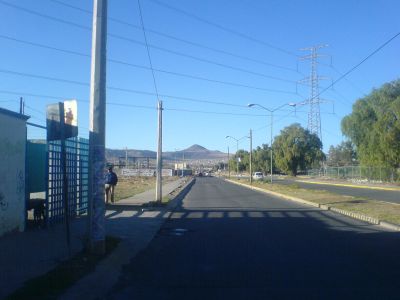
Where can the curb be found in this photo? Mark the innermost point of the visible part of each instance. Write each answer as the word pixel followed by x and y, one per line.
pixel 173 203
pixel 113 264
pixel 350 214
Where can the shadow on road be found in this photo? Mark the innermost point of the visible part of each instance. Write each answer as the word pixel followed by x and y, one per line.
pixel 256 252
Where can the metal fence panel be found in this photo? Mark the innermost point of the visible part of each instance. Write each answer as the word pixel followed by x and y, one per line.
pixel 77 160
pixel 358 173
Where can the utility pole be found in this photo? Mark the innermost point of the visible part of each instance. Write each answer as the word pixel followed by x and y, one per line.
pixel 183 162
pixel 314 115
pixel 229 167
pixel 237 158
pixel 96 205
pixel 237 151
pixel 126 157
pixel 272 132
pixel 159 155
pixel 251 156
pixel 21 106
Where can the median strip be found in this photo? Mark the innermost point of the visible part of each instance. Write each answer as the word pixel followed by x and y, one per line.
pixel 372 211
pixel 352 185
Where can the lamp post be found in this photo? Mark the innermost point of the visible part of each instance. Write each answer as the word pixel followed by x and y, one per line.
pixel 272 121
pixel 237 150
pixel 251 156
pixel 229 167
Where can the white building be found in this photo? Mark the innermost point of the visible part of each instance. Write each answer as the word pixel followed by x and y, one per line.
pixel 12 170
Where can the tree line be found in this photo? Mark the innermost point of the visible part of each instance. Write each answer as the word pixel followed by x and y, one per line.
pixel 372 130
pixel 295 149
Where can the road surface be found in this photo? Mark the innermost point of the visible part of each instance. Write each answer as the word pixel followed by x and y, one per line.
pixel 229 242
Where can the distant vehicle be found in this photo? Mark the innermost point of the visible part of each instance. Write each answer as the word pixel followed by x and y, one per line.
pixel 258 176
pixel 200 174
pixel 206 174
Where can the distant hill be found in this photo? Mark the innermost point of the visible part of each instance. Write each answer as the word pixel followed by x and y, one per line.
pixel 197 152
pixel 194 152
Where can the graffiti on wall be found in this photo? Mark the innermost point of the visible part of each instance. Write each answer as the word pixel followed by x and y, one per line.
pixel 20 184
pixel 3 202
pixel 8 148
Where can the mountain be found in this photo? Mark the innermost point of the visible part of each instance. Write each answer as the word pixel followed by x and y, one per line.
pixel 197 152
pixel 194 152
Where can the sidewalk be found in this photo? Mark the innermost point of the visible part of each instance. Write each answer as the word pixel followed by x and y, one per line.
pixel 33 253
pixel 136 226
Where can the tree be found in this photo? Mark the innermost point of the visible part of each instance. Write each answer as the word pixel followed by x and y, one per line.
pixel 262 159
pixel 343 154
pixel 296 148
pixel 244 161
pixel 374 126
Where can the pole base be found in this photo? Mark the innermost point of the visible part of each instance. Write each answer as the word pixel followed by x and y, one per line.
pixel 97 247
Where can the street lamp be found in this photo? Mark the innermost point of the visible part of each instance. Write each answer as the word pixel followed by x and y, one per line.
pixel 237 150
pixel 272 118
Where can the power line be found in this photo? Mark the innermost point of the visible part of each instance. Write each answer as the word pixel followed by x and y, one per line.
pixel 44 77
pixel 238 69
pixel 213 112
pixel 351 83
pixel 124 104
pixel 223 28
pixel 324 130
pixel 196 100
pixel 6 37
pixel 360 63
pixel 149 45
pixel 192 43
pixel 44 15
pixel 148 51
pixel 113 103
pixel 345 100
pixel 113 88
pixel 142 67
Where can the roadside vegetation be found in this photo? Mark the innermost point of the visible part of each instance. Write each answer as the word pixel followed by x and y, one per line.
pixel 372 130
pixel 295 149
pixel 130 186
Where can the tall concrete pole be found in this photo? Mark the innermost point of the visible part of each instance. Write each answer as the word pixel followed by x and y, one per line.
pixel 272 122
pixel 97 129
pixel 159 155
pixel 183 162
pixel 229 167
pixel 126 157
pixel 251 157
pixel 237 158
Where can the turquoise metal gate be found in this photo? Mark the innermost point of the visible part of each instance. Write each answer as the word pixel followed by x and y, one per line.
pixel 77 167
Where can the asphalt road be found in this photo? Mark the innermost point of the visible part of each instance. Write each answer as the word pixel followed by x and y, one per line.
pixel 375 194
pixel 229 242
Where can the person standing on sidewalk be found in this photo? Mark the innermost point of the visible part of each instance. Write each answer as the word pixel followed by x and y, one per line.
pixel 111 180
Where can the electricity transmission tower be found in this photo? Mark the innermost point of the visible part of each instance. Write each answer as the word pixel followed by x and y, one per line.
pixel 314 115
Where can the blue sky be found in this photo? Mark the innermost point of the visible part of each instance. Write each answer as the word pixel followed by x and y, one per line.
pixel 206 42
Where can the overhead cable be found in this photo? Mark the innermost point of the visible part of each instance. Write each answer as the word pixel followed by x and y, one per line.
pixel 192 43
pixel 223 28
pixel 144 67
pixel 116 36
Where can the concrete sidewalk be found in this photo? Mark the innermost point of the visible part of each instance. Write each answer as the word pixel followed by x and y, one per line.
pixel 136 227
pixel 33 253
